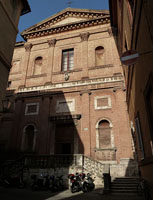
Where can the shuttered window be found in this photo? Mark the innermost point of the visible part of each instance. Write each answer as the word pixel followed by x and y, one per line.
pixel 67 59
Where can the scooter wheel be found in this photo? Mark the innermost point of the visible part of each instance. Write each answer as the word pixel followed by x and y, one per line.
pixel 74 189
pixel 85 188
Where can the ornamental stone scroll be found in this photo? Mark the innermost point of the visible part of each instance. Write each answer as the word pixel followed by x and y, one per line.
pixel 28 46
pixel 84 36
pixel 51 43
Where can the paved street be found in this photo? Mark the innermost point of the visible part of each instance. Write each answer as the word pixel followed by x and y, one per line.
pixel 27 194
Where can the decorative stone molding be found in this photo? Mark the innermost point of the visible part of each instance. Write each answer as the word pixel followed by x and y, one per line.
pixel 28 46
pixel 107 105
pixel 67 27
pixel 51 43
pixel 93 82
pixel 34 111
pixel 65 117
pixel 84 36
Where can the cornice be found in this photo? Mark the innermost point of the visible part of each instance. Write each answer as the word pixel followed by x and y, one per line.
pixel 51 87
pixel 66 27
pixel 48 26
pixel 68 12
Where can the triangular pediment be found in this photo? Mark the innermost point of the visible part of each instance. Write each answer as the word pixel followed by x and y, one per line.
pixel 69 20
pixel 66 17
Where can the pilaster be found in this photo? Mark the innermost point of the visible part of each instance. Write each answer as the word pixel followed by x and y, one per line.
pixel 28 47
pixel 85 127
pixel 49 70
pixel 84 39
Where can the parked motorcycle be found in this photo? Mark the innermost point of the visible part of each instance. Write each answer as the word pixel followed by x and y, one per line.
pixel 77 182
pixel 74 183
pixel 88 184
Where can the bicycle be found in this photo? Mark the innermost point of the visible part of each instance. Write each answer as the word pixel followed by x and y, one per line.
pixel 143 189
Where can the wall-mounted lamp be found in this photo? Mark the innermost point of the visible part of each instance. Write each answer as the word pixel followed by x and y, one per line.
pixel 6 105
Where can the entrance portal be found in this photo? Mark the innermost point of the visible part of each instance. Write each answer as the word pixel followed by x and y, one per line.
pixel 64 138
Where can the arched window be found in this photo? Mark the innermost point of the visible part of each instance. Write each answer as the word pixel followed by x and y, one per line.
pixel 99 51
pixel 38 65
pixel 104 132
pixel 29 137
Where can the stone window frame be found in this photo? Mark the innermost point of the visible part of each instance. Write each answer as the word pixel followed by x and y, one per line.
pixel 61 49
pixel 103 107
pixel 23 136
pixel 68 64
pixel 32 113
pixel 65 101
pixel 97 134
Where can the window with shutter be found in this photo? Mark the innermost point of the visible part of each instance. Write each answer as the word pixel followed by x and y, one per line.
pixel 67 59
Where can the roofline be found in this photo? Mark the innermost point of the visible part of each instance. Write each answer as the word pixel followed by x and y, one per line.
pixel 20 43
pixel 26 8
pixel 66 9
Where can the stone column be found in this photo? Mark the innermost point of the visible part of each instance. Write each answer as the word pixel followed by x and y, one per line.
pixel 49 69
pixel 28 47
pixel 84 40
pixel 85 127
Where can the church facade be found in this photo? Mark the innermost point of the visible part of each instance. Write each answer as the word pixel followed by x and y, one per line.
pixel 67 92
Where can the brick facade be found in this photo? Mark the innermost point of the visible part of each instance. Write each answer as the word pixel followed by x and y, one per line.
pixel 69 105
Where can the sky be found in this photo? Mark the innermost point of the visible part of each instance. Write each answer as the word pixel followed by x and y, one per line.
pixel 42 9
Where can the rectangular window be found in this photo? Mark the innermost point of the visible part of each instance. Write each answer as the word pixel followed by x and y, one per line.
pixel 67 59
pixel 32 109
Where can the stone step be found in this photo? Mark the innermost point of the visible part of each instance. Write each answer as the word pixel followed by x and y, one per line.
pixel 123 191
pixel 120 184
pixel 128 194
pixel 123 186
pixel 126 179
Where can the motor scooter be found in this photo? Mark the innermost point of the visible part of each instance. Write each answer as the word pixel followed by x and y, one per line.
pixel 88 184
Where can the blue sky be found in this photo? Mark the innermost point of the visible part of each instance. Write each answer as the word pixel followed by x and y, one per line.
pixel 42 9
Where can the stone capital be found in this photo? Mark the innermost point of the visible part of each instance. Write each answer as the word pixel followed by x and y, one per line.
pixel 51 43
pixel 28 46
pixel 85 92
pixel 84 36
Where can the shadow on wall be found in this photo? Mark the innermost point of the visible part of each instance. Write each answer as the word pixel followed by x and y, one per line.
pixel 132 168
pixel 42 133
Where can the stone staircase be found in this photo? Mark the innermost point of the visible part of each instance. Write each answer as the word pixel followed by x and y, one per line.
pixel 95 168
pixel 124 186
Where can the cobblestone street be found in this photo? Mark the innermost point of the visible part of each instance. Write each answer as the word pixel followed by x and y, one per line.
pixel 27 194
